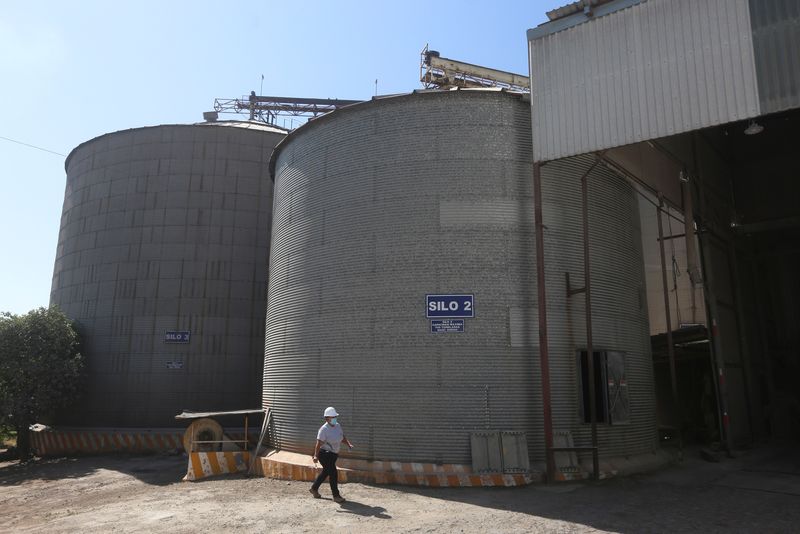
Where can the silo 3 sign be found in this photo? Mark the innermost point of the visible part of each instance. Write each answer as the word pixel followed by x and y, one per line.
pixel 447 312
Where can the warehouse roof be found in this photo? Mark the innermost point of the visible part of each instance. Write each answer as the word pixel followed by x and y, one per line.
pixel 577 13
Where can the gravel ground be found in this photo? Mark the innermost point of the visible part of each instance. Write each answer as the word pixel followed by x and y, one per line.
pixel 757 492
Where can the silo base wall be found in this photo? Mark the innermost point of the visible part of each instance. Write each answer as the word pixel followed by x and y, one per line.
pixel 284 465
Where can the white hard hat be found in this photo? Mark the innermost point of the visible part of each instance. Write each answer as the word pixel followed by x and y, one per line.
pixel 330 411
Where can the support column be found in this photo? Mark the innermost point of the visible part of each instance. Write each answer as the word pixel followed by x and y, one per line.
pixel 668 314
pixel 544 360
pixel 587 289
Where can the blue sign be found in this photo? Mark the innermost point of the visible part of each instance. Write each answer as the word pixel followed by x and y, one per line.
pixel 181 336
pixel 449 306
pixel 446 326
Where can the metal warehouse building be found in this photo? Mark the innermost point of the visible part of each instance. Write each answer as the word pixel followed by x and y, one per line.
pixel 162 262
pixel 658 217
pixel 696 104
pixel 514 281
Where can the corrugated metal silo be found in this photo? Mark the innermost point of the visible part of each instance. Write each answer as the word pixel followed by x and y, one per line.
pixel 161 260
pixel 382 203
pixel 619 304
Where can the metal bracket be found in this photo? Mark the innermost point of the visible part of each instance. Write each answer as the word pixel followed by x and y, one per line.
pixel 264 431
pixel 570 290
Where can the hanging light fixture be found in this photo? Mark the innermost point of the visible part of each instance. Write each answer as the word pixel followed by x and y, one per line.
pixel 753 128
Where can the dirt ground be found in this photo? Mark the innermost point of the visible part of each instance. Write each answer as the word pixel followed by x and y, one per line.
pixel 757 492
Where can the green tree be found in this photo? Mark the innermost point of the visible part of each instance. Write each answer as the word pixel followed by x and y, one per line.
pixel 40 369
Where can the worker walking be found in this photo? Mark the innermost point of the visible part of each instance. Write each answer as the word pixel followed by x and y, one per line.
pixel 329 439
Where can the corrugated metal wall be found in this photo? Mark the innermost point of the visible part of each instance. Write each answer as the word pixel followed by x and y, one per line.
pixel 167 229
pixel 385 202
pixel 651 70
pixel 619 306
pixel 375 207
pixel 776 42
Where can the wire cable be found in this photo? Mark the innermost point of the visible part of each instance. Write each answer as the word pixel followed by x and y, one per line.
pixel 34 146
pixel 676 272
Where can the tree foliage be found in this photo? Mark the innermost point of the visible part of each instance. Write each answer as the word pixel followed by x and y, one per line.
pixel 40 368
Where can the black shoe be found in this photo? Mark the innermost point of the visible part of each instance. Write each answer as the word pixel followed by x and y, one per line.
pixel 315 493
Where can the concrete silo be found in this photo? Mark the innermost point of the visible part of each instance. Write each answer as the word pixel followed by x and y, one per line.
pixel 162 261
pixel 380 205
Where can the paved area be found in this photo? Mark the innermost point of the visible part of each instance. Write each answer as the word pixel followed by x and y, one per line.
pixel 758 491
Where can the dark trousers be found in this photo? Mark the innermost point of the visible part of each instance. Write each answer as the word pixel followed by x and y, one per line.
pixel 328 461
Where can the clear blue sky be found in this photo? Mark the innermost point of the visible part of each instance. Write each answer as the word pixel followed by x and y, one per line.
pixel 71 71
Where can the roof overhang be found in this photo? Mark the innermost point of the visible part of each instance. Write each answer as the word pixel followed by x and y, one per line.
pixel 628 71
pixel 577 13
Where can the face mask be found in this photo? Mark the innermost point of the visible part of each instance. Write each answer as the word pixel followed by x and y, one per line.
pixel 333 421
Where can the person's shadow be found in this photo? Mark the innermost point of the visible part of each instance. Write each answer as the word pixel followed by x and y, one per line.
pixel 352 507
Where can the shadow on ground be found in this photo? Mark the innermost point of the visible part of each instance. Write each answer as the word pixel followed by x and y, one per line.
pixel 157 470
pixel 758 491
pixel 357 508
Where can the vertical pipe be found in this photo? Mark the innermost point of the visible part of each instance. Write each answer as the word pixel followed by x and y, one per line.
pixel 712 311
pixel 718 361
pixel 692 265
pixel 544 360
pixel 745 343
pixel 758 277
pixel 668 314
pixel 587 292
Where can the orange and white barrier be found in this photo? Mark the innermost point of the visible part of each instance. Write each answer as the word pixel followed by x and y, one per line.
pixel 206 464
pixel 286 465
pixel 60 442
pixel 52 442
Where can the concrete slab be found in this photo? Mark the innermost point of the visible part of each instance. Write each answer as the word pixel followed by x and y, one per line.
pixel 769 481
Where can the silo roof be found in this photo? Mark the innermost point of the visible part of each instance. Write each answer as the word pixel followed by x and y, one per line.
pixel 246 125
pixel 377 98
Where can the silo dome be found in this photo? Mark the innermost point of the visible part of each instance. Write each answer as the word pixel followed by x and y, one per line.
pixel 161 261
pixel 386 213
